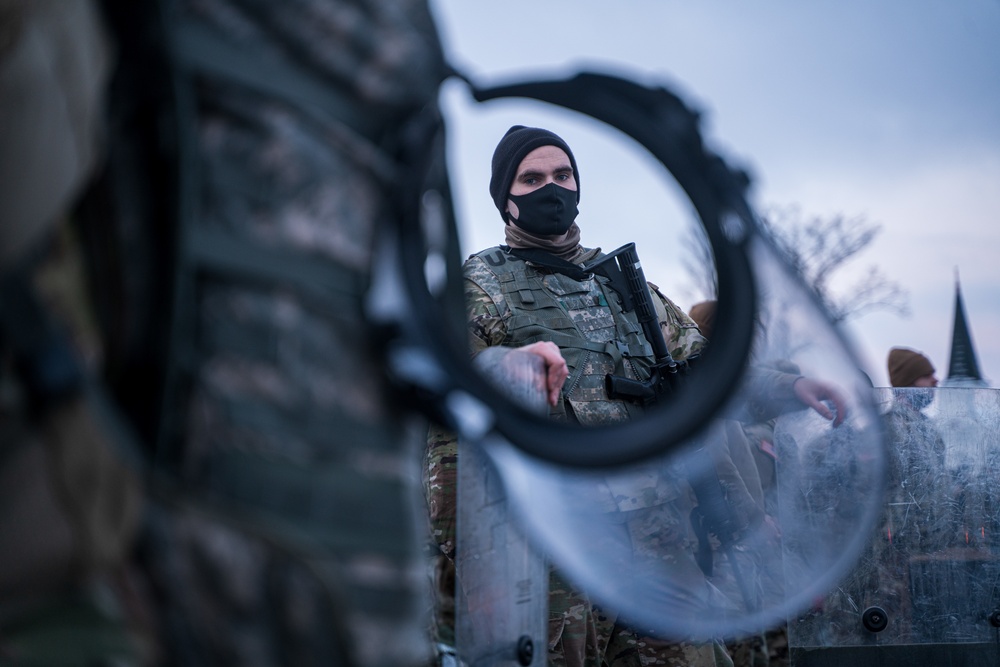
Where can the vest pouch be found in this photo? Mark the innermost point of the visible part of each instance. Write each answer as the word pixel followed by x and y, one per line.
pixel 562 285
pixel 585 303
pixel 599 412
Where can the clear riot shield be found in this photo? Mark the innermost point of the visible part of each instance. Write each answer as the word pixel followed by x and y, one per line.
pixel 501 606
pixel 926 590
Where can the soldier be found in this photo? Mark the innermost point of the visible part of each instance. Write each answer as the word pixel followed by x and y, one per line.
pixel 529 290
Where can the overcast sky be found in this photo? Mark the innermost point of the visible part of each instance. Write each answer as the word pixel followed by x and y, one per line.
pixel 888 110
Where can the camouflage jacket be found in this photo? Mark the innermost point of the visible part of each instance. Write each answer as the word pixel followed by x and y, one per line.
pixel 512 302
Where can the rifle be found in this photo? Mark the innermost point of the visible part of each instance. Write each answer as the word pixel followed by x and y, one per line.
pixel 624 271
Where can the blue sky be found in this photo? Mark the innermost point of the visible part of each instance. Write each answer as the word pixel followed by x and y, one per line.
pixel 888 110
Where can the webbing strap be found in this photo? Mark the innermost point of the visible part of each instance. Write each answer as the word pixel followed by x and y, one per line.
pixel 316 277
pixel 200 49
pixel 615 349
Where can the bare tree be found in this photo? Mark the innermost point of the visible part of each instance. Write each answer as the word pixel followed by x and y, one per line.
pixel 818 249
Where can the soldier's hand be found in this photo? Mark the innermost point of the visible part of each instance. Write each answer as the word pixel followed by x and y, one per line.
pixel 813 393
pixel 555 367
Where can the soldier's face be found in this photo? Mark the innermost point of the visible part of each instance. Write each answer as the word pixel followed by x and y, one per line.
pixel 544 165
pixel 926 381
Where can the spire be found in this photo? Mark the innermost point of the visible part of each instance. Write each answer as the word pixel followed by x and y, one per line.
pixel 963 369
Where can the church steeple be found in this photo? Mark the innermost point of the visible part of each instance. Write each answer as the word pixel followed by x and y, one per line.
pixel 963 369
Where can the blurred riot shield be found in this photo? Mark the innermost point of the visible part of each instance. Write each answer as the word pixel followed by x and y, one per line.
pixel 926 589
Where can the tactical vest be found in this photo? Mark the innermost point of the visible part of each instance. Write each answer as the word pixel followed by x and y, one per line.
pixel 584 318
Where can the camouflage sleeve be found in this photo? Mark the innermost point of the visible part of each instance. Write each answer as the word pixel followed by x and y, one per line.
pixel 769 393
pixel 440 478
pixel 486 327
pixel 683 338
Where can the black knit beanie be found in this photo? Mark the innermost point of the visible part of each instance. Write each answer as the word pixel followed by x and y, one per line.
pixel 518 142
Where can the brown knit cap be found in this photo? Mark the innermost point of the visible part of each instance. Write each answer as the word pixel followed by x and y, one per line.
pixel 906 365
pixel 703 315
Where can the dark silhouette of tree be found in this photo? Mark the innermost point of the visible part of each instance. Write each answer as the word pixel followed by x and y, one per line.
pixel 818 249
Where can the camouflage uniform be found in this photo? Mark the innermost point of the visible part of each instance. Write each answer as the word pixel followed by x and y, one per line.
pixel 513 303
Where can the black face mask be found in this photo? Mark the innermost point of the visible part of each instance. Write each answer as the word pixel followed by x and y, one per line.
pixel 547 211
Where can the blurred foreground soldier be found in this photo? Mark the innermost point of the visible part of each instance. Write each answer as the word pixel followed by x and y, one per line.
pixel 531 290
pixel 69 506
pixel 254 151
pixel 283 531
